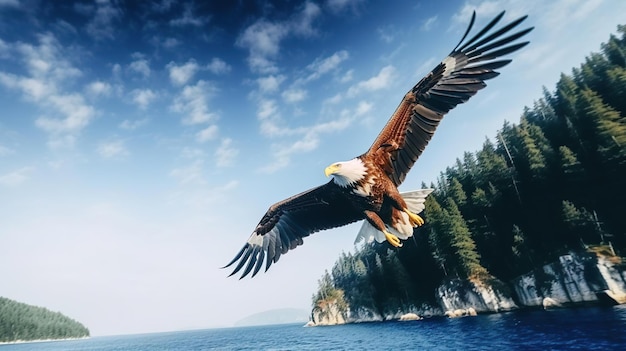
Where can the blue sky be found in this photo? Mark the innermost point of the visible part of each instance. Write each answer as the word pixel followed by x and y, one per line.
pixel 141 142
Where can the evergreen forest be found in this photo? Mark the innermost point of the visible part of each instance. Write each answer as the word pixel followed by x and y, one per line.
pixel 551 184
pixel 22 322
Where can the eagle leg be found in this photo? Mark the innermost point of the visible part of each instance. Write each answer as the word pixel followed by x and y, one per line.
pixel 378 223
pixel 399 203
pixel 414 219
pixel 392 239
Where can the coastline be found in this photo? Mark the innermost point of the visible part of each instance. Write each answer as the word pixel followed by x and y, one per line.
pixel 40 340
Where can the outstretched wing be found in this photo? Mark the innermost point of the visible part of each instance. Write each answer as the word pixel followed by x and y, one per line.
pixel 285 224
pixel 457 78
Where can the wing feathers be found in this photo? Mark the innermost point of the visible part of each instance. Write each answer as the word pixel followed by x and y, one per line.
pixel 469 28
pixel 497 34
pixel 287 222
pixel 501 52
pixel 483 31
pixel 455 80
pixel 504 41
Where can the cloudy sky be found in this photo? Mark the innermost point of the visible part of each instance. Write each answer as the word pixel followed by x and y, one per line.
pixel 141 142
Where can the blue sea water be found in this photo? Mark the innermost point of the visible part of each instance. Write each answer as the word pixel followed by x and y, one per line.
pixel 594 328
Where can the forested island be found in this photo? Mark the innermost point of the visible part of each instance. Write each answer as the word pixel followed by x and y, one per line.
pixel 534 218
pixel 22 322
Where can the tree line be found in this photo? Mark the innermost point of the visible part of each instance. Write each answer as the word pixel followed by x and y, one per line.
pixel 550 184
pixel 19 321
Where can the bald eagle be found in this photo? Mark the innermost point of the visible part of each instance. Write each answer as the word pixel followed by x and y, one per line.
pixel 366 187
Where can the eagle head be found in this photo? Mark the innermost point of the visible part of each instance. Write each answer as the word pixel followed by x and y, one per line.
pixel 347 173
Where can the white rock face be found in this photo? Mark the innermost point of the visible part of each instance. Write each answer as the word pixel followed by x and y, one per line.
pixel 549 302
pixel 574 278
pixel 461 295
pixel 410 317
pixel 461 313
pixel 329 315
pixel 614 278
pixel 363 315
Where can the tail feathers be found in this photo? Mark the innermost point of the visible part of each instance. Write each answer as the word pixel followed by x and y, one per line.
pixel 415 199
pixel 415 202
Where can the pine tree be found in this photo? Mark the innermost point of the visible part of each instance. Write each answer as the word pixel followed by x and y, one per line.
pixel 456 192
pixel 614 51
pixel 608 136
pixel 616 77
pixel 466 254
pixel 438 237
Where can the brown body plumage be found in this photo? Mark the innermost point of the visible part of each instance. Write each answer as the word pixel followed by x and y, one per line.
pixel 366 187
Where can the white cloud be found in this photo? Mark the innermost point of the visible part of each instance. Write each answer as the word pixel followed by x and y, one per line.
pixel 77 114
pixel 387 33
pixel 268 115
pixel 343 5
pixel 320 67
pixel 112 149
pixel 333 100
pixel 217 66
pixel 294 95
pixel 99 88
pixel 192 153
pixel 303 22
pixel 428 23
pixel 270 84
pixel 170 43
pixel 382 80
pixel 206 134
pixel 426 67
pixel 263 37
pixel 5 151
pixel 193 102
pixel 133 124
pixel 49 71
pixel 4 49
pixel 143 97
pixel 484 9
pixel 12 3
pixel 163 5
pixel 33 88
pixel 180 75
pixel 16 177
pixel 226 153
pixel 347 76
pixel 363 108
pixel 188 18
pixel 191 174
pixel 308 139
pixel 47 60
pixel 116 70
pixel 102 25
pixel 141 66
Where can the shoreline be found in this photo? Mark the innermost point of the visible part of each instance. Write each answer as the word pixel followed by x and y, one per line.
pixel 40 340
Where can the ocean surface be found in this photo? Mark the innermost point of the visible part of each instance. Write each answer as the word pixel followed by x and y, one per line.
pixel 592 328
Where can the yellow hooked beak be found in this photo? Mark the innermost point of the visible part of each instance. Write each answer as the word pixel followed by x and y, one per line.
pixel 332 169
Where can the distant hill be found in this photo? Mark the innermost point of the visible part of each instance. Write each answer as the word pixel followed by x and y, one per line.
pixel 22 322
pixel 277 316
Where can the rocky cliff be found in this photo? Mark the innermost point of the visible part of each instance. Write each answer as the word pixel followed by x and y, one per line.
pixel 458 296
pixel 575 278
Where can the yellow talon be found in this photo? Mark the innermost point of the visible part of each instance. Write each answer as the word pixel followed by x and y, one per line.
pixel 392 239
pixel 414 219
